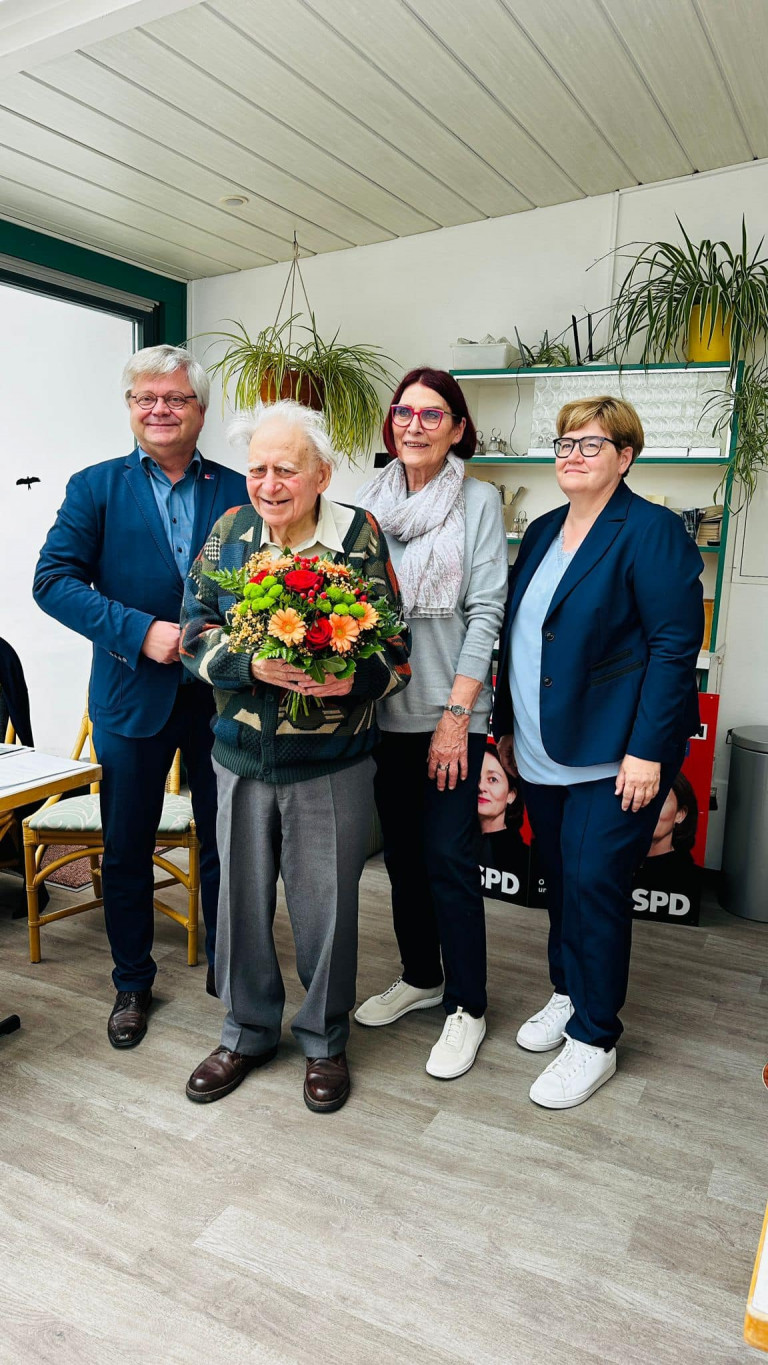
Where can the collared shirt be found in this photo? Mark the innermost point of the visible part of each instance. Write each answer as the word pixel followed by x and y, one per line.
pixel 176 505
pixel 333 522
pixel 533 762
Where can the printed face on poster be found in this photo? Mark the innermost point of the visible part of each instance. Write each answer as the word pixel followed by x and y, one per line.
pixel 667 884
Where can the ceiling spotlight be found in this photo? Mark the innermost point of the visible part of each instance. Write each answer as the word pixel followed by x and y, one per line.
pixel 234 201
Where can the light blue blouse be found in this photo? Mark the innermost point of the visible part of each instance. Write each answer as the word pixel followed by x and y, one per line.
pixel 533 761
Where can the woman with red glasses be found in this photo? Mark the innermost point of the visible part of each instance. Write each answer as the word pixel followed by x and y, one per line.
pixel 448 546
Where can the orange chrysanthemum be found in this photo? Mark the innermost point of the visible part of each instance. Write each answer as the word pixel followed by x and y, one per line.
pixel 287 625
pixel 345 632
pixel 370 619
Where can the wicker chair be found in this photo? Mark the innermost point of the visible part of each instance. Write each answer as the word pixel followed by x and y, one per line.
pixel 76 820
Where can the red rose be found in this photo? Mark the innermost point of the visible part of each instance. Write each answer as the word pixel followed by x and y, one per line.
pixel 259 576
pixel 301 580
pixel 319 633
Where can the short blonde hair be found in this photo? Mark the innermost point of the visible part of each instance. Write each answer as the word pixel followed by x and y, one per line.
pixel 617 417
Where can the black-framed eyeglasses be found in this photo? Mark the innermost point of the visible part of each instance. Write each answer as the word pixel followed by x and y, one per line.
pixel 430 418
pixel 176 401
pixel 590 446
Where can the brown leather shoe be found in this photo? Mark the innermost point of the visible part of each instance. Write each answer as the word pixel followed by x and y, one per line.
pixel 326 1086
pixel 127 1023
pixel 210 982
pixel 223 1071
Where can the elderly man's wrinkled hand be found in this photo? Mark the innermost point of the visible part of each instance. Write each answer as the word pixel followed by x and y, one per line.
pixel 334 687
pixel 277 673
pixel 637 782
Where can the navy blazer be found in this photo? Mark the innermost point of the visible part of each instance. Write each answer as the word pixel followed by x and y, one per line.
pixel 620 638
pixel 107 571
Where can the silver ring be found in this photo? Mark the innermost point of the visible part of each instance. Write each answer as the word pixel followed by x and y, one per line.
pixel 443 767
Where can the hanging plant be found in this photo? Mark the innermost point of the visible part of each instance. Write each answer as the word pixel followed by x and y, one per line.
pixel 290 359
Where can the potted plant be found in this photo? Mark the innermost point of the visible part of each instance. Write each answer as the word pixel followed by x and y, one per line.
pixel 546 353
pixel 713 300
pixel 291 360
pixel 693 294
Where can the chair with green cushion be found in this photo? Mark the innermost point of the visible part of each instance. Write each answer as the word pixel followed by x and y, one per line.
pixel 76 820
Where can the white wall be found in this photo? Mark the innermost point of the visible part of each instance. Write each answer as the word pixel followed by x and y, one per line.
pixel 60 409
pixel 414 296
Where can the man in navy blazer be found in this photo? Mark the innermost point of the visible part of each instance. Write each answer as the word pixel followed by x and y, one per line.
pixel 113 568
pixel 595 700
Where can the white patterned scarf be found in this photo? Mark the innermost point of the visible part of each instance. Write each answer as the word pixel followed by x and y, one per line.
pixel 431 524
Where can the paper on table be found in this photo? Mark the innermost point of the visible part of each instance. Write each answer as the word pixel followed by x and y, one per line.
pixel 27 765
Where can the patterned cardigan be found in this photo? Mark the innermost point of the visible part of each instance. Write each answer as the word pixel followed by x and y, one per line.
pixel 254 735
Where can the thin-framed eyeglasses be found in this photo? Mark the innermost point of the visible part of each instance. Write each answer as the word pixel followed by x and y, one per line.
pixel 430 418
pixel 589 446
pixel 176 401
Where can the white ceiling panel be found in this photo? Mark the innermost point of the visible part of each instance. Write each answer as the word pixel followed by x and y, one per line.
pixel 281 199
pixel 238 63
pixel 581 46
pixel 349 122
pixel 683 75
pixel 409 57
pixel 738 33
pixel 506 64
pixel 124 146
pixel 145 63
pixel 59 216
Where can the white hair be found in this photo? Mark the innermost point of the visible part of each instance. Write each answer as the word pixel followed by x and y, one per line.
pixel 311 423
pixel 157 360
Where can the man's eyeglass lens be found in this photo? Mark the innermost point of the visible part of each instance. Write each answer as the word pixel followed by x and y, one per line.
pixel 174 400
pixel 430 418
pixel 588 445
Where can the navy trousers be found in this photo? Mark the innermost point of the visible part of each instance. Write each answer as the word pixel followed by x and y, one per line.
pixel 132 790
pixel 591 849
pixel 430 849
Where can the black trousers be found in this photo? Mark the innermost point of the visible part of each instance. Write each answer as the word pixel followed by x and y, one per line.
pixel 591 850
pixel 132 791
pixel 430 849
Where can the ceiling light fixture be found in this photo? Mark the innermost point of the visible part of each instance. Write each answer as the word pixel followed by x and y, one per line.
pixel 234 201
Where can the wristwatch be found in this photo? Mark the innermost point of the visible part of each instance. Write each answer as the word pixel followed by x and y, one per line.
pixel 457 710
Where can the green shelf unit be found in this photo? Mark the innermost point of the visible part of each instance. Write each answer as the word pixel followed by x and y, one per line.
pixel 550 459
pixel 528 372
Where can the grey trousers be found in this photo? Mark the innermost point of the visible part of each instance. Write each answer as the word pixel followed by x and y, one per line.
pixel 314 834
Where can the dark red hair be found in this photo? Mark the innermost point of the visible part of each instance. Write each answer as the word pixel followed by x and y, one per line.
pixel 443 383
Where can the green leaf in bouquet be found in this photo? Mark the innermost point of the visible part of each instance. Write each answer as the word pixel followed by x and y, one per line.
pixel 347 670
pixel 367 651
pixel 334 665
pixel 231 580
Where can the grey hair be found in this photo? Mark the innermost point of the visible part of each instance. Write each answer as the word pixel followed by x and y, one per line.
pixel 291 414
pixel 157 360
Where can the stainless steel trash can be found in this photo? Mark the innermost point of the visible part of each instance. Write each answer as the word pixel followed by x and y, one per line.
pixel 744 882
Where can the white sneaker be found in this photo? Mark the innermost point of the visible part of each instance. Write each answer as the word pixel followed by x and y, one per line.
pixel 576 1074
pixel 456 1049
pixel 397 1000
pixel 546 1029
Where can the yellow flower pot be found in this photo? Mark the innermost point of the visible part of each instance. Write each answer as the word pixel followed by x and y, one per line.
pixel 699 345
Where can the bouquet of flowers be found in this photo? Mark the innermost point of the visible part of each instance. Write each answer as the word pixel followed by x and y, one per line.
pixel 317 615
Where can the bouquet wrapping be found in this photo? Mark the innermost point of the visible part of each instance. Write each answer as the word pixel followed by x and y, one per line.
pixel 316 614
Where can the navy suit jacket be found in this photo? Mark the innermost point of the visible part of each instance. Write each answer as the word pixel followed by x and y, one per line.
pixel 620 638
pixel 107 571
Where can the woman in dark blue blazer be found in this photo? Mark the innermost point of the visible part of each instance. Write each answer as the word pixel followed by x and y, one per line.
pixel 596 698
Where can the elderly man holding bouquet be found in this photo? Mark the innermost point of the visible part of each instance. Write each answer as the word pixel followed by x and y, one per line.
pixel 292 614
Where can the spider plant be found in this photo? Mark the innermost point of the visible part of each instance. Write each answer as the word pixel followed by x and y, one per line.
pixel 668 280
pixel 748 410
pixel 545 353
pixel 340 380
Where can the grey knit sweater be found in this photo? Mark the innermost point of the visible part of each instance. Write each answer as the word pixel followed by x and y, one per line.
pixel 462 643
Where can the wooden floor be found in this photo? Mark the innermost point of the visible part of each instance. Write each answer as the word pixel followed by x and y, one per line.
pixel 428 1222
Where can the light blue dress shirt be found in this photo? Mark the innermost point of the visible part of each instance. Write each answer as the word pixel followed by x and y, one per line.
pixel 533 762
pixel 176 505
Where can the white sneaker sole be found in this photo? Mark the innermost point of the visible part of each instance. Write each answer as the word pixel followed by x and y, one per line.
pixel 453 1075
pixel 417 1005
pixel 541 1047
pixel 571 1102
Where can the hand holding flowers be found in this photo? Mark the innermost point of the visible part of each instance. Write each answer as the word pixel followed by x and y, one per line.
pixel 306 622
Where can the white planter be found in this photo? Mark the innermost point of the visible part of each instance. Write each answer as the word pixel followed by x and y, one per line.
pixel 497 357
